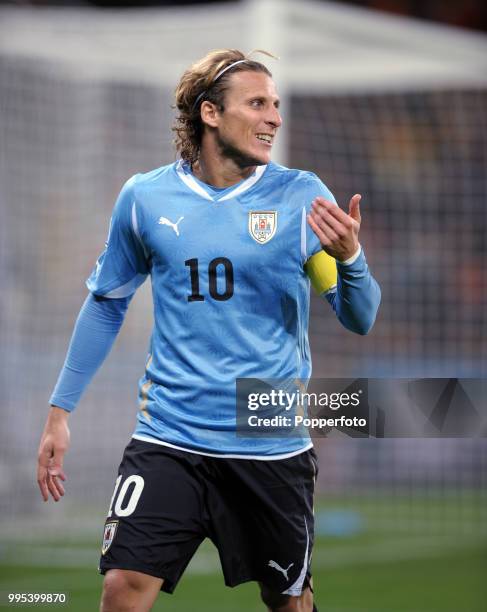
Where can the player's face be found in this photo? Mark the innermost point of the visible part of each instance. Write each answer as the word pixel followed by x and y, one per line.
pixel 246 129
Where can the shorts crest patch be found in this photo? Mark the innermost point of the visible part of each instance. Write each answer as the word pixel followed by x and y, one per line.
pixel 262 225
pixel 108 535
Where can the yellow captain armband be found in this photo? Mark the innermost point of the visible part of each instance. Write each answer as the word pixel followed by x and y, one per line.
pixel 322 272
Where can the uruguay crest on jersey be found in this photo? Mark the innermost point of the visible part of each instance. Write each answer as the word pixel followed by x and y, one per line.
pixel 262 225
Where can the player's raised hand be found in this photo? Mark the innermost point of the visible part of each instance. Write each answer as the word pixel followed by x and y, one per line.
pixel 337 231
pixel 54 444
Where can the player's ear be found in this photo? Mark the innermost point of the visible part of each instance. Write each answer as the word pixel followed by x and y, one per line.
pixel 209 113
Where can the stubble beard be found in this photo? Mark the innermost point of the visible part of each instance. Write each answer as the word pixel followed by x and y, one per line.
pixel 239 157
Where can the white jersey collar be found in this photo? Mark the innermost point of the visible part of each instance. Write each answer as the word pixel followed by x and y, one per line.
pixel 189 180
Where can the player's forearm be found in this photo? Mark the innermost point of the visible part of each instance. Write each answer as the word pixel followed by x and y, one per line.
pixel 96 328
pixel 357 297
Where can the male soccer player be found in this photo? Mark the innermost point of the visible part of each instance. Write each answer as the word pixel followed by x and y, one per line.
pixel 230 241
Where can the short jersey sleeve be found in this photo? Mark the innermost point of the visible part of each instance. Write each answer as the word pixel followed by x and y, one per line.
pixel 123 266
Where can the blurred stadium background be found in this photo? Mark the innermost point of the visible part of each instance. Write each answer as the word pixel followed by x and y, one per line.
pixel 391 107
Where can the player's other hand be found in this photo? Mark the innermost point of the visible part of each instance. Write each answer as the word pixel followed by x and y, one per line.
pixel 53 446
pixel 337 231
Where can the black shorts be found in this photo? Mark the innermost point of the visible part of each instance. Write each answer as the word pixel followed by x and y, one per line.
pixel 259 515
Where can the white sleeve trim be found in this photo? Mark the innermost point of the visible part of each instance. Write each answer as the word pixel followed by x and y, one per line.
pixel 128 289
pixel 350 260
pixel 332 289
pixel 135 227
pixel 303 236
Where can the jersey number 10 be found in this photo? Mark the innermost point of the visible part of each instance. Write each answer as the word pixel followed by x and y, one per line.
pixel 213 267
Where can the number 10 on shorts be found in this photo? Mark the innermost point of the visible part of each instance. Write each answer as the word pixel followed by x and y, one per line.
pixel 119 504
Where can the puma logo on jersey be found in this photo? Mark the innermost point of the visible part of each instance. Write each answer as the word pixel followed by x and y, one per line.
pixel 279 568
pixel 164 221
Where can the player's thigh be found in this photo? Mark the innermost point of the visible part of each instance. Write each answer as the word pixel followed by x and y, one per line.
pixel 129 590
pixel 154 524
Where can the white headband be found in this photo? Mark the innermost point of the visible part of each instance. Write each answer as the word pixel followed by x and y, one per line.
pixel 227 68
pixel 216 79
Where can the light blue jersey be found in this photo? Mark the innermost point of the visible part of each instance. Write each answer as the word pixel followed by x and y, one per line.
pixel 231 297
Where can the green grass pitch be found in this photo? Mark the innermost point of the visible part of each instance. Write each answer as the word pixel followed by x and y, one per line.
pixel 371 569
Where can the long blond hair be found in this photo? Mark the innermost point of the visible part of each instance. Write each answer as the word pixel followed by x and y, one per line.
pixel 206 79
